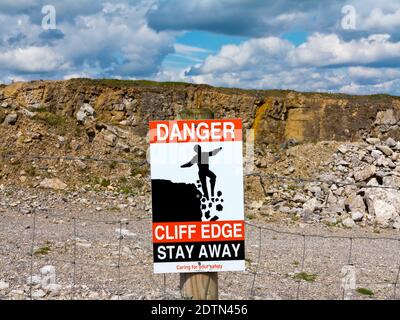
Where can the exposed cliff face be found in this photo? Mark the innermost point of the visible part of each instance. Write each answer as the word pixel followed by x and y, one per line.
pixel 276 116
pixel 315 117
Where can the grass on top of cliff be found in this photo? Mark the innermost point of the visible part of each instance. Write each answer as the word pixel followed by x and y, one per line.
pixel 116 83
pixel 278 93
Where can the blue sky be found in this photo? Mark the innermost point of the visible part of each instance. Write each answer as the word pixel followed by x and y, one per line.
pixel 325 46
pixel 208 43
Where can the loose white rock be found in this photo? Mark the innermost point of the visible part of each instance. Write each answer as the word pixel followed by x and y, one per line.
pixel 85 112
pixel 357 216
pixel 124 232
pixel 55 184
pixel 383 204
pixel 36 279
pixel 348 223
pixel 37 294
pixel 4 285
pixel 11 119
pixel 362 175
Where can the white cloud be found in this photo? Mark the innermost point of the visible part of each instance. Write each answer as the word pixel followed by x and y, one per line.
pixel 32 60
pixel 185 49
pixel 116 39
pixel 329 50
pixel 377 20
pixel 253 52
pixel 324 63
pixel 113 41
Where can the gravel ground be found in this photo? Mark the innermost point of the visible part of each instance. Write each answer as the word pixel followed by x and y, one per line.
pixel 79 234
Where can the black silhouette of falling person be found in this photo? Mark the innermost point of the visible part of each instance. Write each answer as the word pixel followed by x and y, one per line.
pixel 202 161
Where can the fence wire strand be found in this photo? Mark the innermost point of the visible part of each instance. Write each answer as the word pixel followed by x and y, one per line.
pixel 162 287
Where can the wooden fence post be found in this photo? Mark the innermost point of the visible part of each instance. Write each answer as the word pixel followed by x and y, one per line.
pixel 199 285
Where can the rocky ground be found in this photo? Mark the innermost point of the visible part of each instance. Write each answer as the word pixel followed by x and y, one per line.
pixel 97 245
pixel 75 203
pixel 358 186
pixel 352 184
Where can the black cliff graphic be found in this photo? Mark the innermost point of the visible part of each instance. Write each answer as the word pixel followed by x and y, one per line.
pixel 174 202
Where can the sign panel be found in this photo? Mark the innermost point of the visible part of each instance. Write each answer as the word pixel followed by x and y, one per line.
pixel 197 195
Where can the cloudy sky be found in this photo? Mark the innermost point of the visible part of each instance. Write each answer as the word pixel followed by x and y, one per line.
pixel 305 45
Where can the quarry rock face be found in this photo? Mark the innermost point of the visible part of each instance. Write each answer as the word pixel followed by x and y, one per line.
pixel 278 117
pixel 295 135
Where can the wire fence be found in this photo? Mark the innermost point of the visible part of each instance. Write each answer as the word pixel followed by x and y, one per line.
pixel 111 258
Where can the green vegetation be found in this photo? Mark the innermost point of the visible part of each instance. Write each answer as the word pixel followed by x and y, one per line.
pixel 308 277
pixel 126 190
pixel 41 109
pixel 105 183
pixel 116 83
pixel 131 186
pixel 44 250
pixel 101 181
pixel 295 218
pixel 250 216
pixel 123 180
pixel 247 262
pixel 113 165
pixel 334 223
pixel 31 171
pixel 139 169
pixel 51 119
pixel 365 292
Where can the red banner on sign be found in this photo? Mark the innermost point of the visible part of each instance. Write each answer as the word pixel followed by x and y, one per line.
pixel 205 231
pixel 195 131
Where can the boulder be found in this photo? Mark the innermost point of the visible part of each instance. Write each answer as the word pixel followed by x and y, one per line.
pixel 48 276
pixel 357 216
pixel 311 205
pixel 342 149
pixel 111 139
pixel 386 117
pixel 85 112
pixel 53 289
pixel 373 141
pixel 385 149
pixel 256 204
pixel 11 119
pixel 4 285
pixel 355 204
pixel 383 204
pixel 376 154
pixel 55 184
pixel 348 223
pixel 37 294
pixel 364 174
pixel 391 142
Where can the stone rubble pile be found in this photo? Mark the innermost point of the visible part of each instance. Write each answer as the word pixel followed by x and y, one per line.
pixel 359 185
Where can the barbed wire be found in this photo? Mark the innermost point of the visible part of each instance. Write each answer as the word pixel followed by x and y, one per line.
pixel 162 287
pixel 74 261
pixel 260 175
pixel 74 158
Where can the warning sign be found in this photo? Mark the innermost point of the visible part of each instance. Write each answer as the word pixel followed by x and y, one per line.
pixel 197 195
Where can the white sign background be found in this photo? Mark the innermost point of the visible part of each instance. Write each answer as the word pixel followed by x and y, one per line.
pixel 227 165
